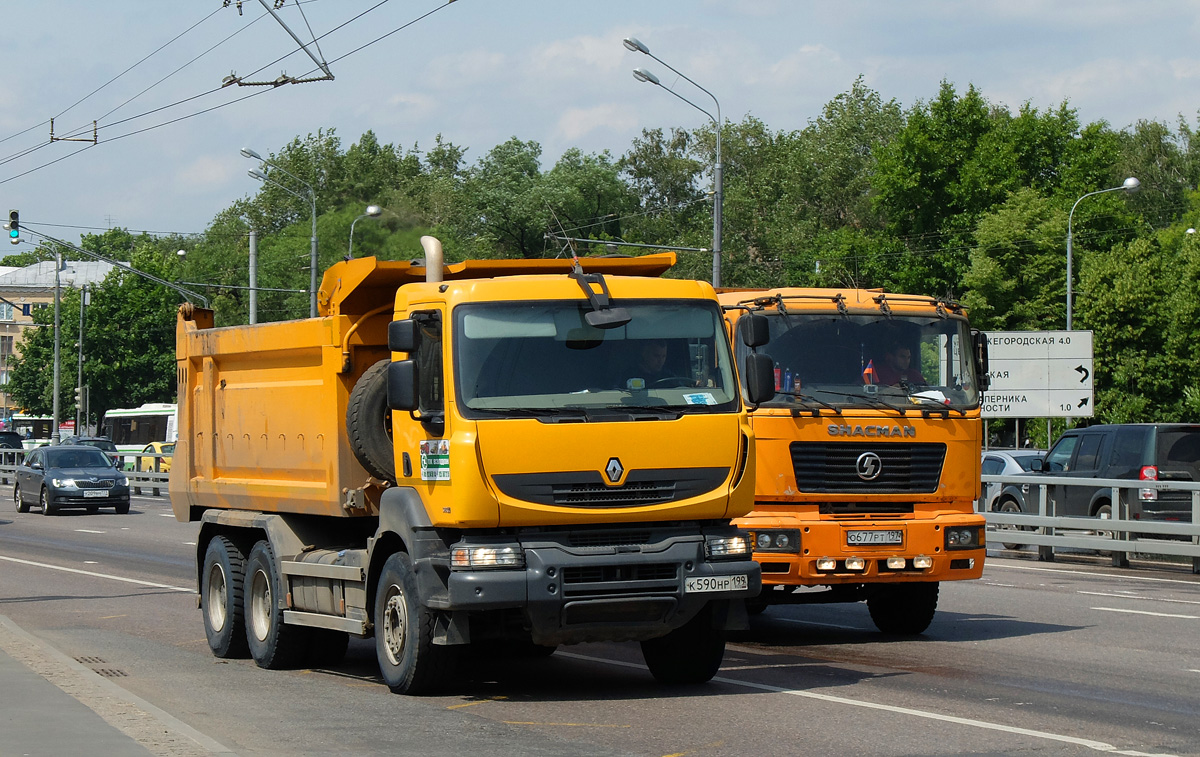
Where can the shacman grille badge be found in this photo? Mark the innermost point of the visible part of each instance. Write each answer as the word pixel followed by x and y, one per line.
pixel 868 466
pixel 613 470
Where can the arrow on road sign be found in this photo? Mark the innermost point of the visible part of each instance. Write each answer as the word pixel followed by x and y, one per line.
pixel 1083 402
pixel 1083 371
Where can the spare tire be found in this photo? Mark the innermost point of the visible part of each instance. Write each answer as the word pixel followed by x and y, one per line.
pixel 369 423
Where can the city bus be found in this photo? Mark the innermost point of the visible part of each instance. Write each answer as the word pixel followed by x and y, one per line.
pixel 133 428
pixel 35 430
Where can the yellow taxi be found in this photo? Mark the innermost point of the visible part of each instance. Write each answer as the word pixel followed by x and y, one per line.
pixel 157 448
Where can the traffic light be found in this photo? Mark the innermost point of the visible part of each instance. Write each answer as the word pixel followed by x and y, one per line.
pixel 14 227
pixel 78 396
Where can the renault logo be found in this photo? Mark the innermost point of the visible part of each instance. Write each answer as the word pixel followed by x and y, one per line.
pixel 868 466
pixel 613 470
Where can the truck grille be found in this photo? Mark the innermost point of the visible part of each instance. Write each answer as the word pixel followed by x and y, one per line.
pixel 831 468
pixel 619 580
pixel 589 489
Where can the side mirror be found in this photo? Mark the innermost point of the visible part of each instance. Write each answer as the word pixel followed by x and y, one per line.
pixel 754 330
pixel 980 342
pixel 402 385
pixel 1038 466
pixel 760 378
pixel 403 336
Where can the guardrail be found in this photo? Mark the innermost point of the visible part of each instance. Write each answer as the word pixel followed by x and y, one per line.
pixel 1119 534
pixel 142 469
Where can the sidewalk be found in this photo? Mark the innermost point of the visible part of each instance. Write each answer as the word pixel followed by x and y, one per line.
pixel 52 705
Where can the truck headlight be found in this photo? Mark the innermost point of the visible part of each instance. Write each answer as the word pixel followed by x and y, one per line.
pixel 964 537
pixel 727 547
pixel 776 540
pixel 483 557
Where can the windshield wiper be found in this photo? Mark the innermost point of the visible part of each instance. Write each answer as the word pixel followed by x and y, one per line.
pixel 868 399
pixel 809 398
pixel 651 412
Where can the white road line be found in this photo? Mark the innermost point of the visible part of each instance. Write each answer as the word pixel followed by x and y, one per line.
pixel 1098 746
pixel 1145 612
pixel 94 575
pixel 815 623
pixel 88 531
pixel 1131 596
pixel 992 565
pixel 166 515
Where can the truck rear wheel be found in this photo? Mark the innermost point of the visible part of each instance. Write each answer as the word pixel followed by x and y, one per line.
pixel 690 654
pixel 273 644
pixel 369 423
pixel 408 659
pixel 904 609
pixel 222 582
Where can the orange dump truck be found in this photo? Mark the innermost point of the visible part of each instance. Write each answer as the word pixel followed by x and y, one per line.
pixel 868 455
pixel 468 454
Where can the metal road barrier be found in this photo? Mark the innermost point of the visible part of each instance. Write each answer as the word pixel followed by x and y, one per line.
pixel 1120 534
pixel 141 476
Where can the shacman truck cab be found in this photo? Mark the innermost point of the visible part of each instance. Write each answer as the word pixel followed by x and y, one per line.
pixel 868 455
pixel 461 454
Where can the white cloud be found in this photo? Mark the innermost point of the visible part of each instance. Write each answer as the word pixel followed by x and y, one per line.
pixel 576 123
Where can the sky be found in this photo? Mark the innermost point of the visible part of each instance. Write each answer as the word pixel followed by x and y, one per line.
pixel 478 72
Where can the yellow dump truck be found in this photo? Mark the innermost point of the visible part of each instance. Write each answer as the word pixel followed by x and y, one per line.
pixel 469 454
pixel 868 455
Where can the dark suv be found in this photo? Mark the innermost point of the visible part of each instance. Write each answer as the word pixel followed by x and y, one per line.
pixel 1133 451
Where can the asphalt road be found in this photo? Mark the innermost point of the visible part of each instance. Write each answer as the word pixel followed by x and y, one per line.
pixel 1072 657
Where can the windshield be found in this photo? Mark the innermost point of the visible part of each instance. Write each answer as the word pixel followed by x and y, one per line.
pixel 541 358
pixel 880 361
pixel 77 458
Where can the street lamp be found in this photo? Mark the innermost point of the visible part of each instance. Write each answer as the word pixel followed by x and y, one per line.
pixel 641 74
pixel 373 211
pixel 257 173
pixel 1129 185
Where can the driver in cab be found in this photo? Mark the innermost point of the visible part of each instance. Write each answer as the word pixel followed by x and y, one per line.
pixel 897 367
pixel 650 362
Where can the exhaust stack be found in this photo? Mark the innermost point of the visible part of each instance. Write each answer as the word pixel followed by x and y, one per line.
pixel 433 259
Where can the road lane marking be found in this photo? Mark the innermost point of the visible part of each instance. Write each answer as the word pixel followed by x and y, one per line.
pixel 1147 612
pixel 815 623
pixel 992 565
pixel 95 575
pixel 1131 596
pixel 572 725
pixel 472 704
pixel 1098 746
pixel 88 531
pixel 166 515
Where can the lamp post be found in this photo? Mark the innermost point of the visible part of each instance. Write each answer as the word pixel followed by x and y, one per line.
pixel 1129 185
pixel 258 173
pixel 373 211
pixel 641 74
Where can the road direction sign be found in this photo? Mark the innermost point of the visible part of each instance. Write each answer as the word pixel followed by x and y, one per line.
pixel 1039 374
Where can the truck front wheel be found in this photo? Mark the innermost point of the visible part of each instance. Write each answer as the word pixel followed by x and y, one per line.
pixel 690 654
pixel 273 644
pixel 408 659
pixel 904 609
pixel 223 579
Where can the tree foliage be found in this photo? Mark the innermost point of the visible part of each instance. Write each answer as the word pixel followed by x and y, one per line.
pixel 956 195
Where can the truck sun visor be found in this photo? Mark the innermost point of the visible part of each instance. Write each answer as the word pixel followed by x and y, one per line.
pixel 603 316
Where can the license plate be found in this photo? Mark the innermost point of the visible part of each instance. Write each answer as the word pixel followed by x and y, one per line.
pixel 874 537
pixel 702 584
pixel 95 492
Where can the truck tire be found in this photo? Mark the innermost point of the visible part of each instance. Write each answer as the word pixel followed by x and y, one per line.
pixel 369 423
pixel 690 654
pixel 222 583
pixel 408 659
pixel 904 609
pixel 273 644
